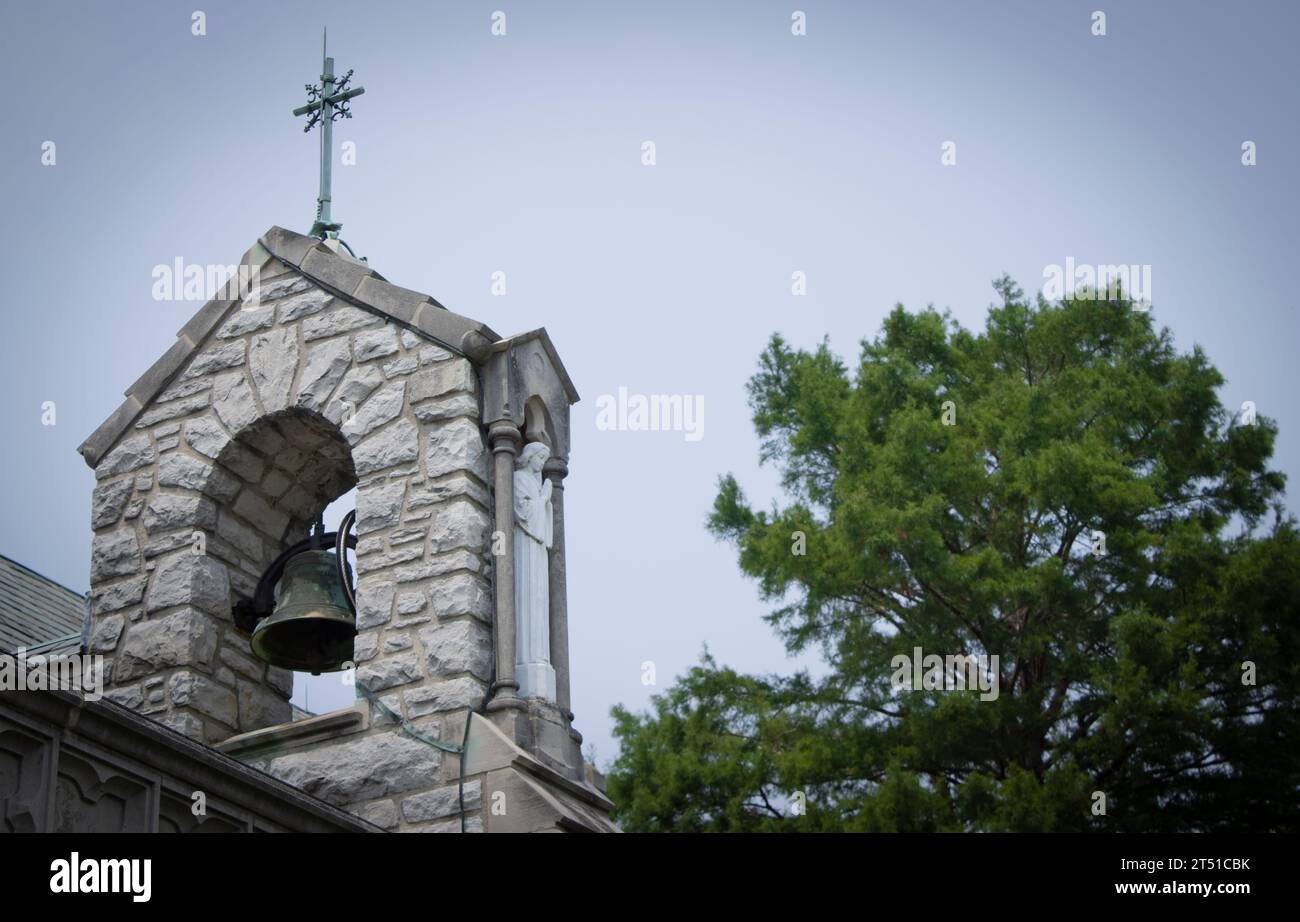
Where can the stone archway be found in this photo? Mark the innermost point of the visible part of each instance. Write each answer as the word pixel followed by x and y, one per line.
pixel 195 493
pixel 294 398
pixel 289 466
pixel 537 423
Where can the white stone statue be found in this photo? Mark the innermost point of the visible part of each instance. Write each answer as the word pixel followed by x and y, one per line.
pixel 534 525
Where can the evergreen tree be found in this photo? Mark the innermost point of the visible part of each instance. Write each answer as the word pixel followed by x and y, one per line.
pixel 1063 490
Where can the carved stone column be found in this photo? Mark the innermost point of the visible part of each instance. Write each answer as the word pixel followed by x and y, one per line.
pixel 505 439
pixel 557 469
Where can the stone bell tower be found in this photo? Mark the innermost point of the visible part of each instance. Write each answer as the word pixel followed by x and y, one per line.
pixel 279 396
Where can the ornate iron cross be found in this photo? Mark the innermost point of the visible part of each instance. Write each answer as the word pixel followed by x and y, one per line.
pixel 326 103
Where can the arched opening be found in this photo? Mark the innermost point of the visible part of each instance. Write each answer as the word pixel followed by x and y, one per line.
pixel 537 423
pixel 292 467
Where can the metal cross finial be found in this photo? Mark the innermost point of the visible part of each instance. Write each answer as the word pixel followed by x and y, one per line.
pixel 326 103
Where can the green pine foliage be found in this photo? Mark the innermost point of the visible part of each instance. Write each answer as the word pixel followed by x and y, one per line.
pixel 947 489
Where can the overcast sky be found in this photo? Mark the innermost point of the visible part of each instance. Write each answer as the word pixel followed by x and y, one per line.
pixel 522 154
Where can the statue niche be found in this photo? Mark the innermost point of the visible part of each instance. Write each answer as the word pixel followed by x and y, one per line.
pixel 533 536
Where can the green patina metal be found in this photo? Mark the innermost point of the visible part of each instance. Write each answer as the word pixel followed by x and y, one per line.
pixel 327 102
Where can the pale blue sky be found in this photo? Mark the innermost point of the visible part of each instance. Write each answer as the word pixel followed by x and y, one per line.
pixel 522 154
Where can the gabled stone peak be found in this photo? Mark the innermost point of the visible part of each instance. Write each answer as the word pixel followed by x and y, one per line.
pixel 543 339
pixel 276 252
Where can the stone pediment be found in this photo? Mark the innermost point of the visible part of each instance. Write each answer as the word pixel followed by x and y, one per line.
pixel 525 384
pixel 276 253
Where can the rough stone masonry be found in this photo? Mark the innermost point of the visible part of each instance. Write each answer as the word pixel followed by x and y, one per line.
pixel 322 378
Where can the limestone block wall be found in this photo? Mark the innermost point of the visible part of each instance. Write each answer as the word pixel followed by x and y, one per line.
pixel 365 765
pixel 287 402
pixel 402 784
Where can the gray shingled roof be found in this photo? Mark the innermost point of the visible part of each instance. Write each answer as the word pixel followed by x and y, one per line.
pixel 36 611
pixel 347 279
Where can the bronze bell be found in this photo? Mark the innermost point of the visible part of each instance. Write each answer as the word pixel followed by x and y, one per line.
pixel 312 626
